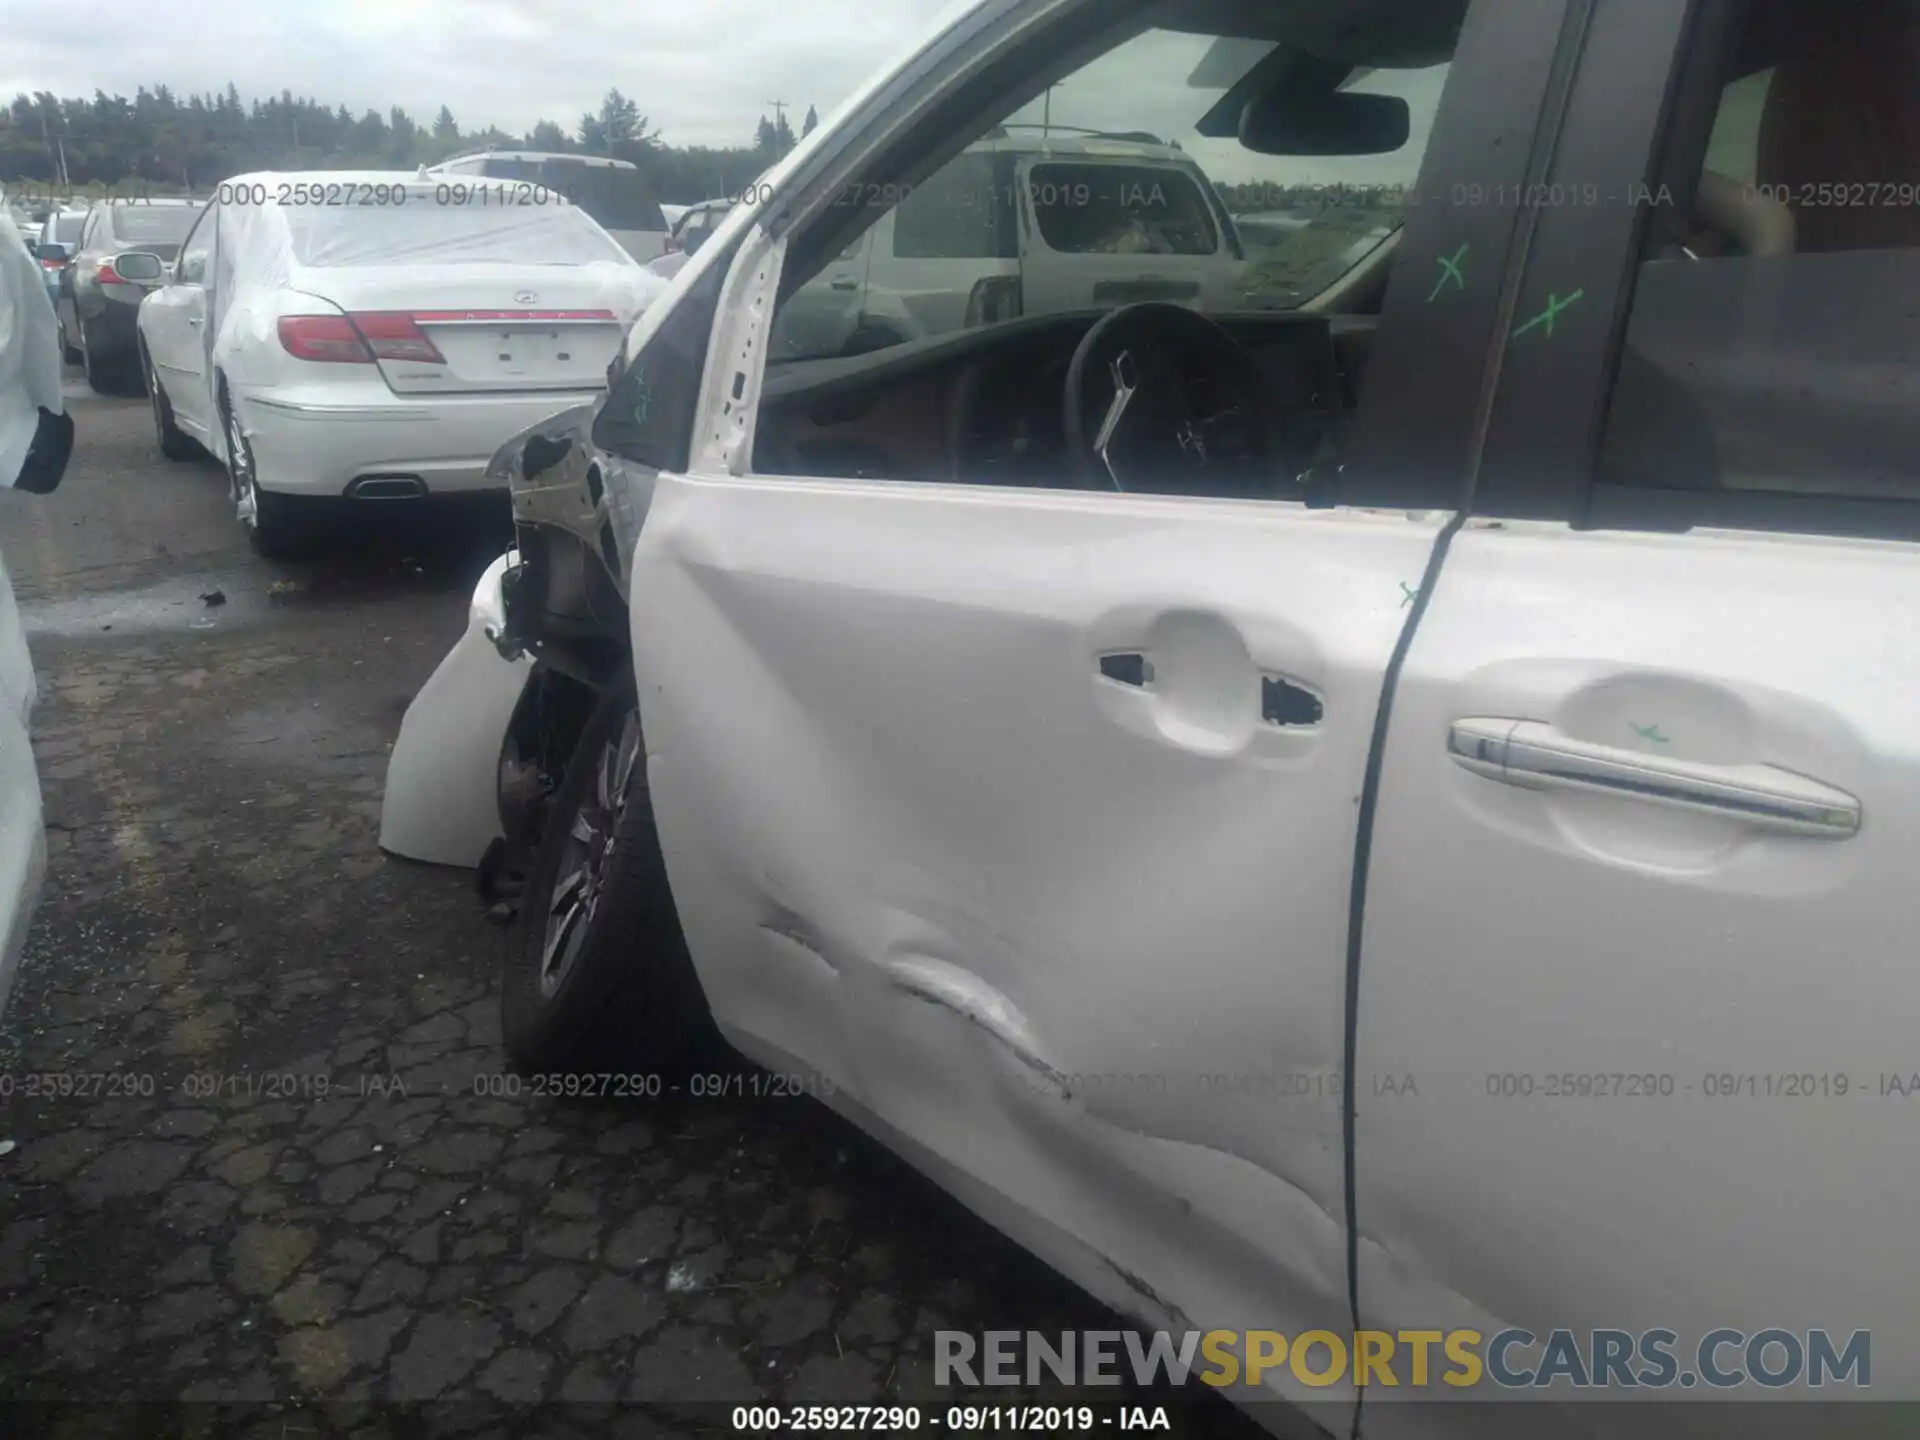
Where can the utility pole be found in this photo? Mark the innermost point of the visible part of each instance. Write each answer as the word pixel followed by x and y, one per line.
pixel 779 119
pixel 56 152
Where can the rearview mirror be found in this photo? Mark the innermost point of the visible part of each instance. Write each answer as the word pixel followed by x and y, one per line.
pixel 142 265
pixel 1286 121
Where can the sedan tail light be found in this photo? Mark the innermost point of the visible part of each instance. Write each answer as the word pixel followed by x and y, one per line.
pixel 358 339
pixel 395 335
pixel 323 337
pixel 107 275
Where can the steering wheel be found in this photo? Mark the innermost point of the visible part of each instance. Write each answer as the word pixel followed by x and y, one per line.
pixel 1162 400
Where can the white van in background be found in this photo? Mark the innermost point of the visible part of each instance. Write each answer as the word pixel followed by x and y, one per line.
pixel 614 192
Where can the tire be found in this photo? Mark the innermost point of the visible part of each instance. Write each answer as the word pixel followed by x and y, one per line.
pixel 175 443
pixel 103 378
pixel 625 984
pixel 276 525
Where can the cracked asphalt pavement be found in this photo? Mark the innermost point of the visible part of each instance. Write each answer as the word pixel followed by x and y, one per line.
pixel 254 1164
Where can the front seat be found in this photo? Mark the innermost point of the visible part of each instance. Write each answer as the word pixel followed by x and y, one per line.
pixel 1843 110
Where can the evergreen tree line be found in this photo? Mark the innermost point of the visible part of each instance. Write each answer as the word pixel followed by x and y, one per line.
pixel 161 141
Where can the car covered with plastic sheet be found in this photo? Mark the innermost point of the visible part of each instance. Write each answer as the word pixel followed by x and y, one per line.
pixel 347 338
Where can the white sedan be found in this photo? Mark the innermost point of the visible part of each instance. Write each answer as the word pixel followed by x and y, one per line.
pixel 340 337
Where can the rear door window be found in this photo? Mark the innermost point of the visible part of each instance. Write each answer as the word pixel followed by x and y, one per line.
pixel 959 213
pixel 1768 343
pixel 152 224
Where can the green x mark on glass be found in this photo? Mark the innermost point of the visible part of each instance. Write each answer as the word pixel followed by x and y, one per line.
pixel 1555 304
pixel 1408 594
pixel 1449 270
pixel 1649 732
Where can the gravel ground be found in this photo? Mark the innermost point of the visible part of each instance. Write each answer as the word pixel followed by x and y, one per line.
pixel 264 1185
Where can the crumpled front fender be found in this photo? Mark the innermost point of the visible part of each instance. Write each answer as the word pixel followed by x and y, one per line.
pixel 442 797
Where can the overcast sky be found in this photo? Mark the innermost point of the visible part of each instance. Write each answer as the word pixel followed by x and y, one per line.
pixel 703 71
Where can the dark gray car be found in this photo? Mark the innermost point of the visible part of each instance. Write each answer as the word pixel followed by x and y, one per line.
pixel 97 305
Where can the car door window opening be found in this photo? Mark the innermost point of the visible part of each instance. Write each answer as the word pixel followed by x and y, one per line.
pixel 1762 370
pixel 944 340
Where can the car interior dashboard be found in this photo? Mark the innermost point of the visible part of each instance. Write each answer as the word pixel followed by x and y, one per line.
pixel 984 406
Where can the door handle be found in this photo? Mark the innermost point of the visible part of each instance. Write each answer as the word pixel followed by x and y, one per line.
pixel 1536 756
pixel 193 320
pixel 846 282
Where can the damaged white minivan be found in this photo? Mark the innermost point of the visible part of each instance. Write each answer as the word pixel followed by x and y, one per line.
pixel 1377 803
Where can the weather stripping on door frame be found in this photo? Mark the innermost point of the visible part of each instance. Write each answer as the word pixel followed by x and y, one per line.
pixel 1574 28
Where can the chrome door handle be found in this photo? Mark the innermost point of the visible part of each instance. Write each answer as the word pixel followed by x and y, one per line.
pixel 193 320
pixel 846 282
pixel 1536 756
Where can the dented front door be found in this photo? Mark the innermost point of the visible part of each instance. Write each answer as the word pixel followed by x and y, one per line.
pixel 1026 820
pixel 1019 825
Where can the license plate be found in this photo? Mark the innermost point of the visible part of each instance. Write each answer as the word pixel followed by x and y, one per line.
pixel 517 352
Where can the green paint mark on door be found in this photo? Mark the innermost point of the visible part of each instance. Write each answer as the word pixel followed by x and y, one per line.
pixel 1555 304
pixel 1649 732
pixel 1449 270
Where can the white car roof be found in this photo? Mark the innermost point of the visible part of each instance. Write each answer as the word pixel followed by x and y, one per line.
pixel 413 179
pixel 535 156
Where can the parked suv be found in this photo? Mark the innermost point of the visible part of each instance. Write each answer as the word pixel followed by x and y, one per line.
pixel 97 305
pixel 1023 224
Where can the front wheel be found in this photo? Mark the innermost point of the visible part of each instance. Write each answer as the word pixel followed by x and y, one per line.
pixel 599 958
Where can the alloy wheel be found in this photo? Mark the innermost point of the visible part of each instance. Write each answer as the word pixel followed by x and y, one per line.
pixel 584 864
